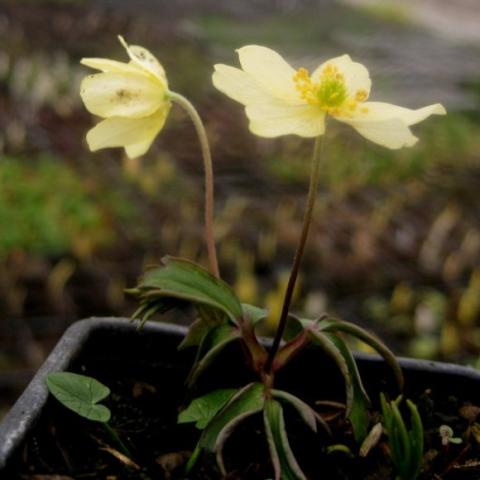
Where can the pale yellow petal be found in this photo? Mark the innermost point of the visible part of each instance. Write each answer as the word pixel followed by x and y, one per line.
pixel 136 134
pixel 136 150
pixel 273 118
pixel 270 71
pixel 356 75
pixel 392 133
pixel 105 65
pixel 143 58
pixel 384 111
pixel 237 84
pixel 120 94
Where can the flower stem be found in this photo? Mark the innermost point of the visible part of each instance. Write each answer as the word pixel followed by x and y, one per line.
pixel 307 219
pixel 207 163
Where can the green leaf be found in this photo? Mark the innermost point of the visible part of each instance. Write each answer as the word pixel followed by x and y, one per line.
pixel 284 463
pixel 416 439
pixel 406 447
pixel 196 333
pixel 386 413
pixel 291 348
pixel 356 399
pixel 211 316
pixel 296 325
pixel 325 342
pixel 400 442
pixel 247 401
pixel 150 307
pixel 208 318
pixel 308 414
pixel 80 394
pixel 358 412
pixel 254 314
pixel 212 344
pixel 201 410
pixel 366 337
pixel 184 280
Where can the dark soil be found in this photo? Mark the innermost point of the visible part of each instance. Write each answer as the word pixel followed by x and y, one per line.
pixel 145 404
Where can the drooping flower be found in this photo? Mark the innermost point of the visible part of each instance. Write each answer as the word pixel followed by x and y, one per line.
pixel 131 97
pixel 279 100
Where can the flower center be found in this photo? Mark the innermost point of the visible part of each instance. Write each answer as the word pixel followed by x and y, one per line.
pixel 329 92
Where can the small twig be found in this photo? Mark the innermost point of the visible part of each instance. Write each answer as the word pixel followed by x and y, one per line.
pixel 455 461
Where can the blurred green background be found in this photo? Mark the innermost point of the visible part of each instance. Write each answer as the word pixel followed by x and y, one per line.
pixel 395 244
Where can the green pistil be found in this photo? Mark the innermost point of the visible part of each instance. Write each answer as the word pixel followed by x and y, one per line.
pixel 331 92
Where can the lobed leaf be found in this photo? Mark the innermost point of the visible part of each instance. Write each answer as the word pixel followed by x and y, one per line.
pixel 202 409
pixel 358 411
pixel 212 344
pixel 247 401
pixel 284 463
pixel 211 316
pixel 195 334
pixel 185 280
pixel 152 306
pixel 325 342
pixel 371 340
pixel 254 314
pixel 290 349
pixel 80 394
pixel 308 414
pixel 356 399
pixel 296 325
pixel 208 318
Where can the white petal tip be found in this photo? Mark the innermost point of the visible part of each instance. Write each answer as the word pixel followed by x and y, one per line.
pixel 440 109
pixel 248 47
pixel 132 153
pixel 412 141
pixel 92 145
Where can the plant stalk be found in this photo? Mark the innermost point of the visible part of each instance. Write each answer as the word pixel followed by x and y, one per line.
pixel 114 436
pixel 307 219
pixel 207 164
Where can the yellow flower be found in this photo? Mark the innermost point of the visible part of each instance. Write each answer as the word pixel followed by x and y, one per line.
pixel 282 101
pixel 132 98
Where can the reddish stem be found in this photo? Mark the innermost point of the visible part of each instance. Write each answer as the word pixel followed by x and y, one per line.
pixel 307 219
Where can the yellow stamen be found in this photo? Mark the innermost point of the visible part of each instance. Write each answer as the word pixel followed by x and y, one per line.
pixel 304 84
pixel 361 95
pixel 352 105
pixel 329 92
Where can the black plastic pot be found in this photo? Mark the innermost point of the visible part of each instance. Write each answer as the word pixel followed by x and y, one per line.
pixel 99 344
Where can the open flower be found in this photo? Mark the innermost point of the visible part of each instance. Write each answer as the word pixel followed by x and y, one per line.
pixel 281 101
pixel 132 98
